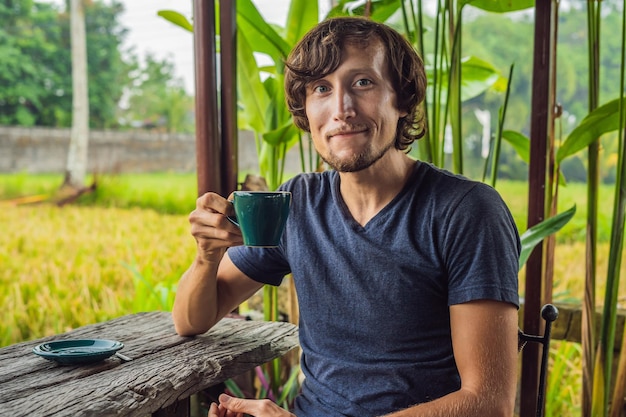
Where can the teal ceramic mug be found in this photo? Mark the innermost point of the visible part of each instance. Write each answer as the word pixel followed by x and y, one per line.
pixel 261 216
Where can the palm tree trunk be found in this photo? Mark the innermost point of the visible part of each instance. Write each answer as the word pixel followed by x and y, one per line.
pixel 76 167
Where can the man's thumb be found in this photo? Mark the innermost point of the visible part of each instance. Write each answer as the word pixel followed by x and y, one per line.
pixel 235 404
pixel 224 398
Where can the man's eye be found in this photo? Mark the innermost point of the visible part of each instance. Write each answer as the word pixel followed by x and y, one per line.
pixel 321 89
pixel 363 82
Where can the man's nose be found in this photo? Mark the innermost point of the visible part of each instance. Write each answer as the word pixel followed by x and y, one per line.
pixel 344 104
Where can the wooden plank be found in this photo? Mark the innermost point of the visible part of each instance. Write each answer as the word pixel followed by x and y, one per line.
pixel 165 367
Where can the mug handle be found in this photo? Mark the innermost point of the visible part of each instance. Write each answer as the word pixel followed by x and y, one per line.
pixel 233 219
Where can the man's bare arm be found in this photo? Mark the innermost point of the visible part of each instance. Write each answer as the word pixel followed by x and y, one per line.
pixel 212 286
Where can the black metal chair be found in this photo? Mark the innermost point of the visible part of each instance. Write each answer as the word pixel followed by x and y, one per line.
pixel 549 313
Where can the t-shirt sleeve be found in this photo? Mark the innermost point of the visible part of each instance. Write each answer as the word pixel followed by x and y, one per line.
pixel 482 248
pixel 264 265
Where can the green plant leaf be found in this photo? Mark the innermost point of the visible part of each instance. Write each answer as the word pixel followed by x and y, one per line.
pixel 252 96
pixel 477 76
pixel 533 236
pixel 302 16
pixel 176 18
pixel 498 6
pixel 290 388
pixel 602 120
pixel 380 10
pixel 261 35
pixel 520 143
pixel 277 113
pixel 234 388
pixel 288 133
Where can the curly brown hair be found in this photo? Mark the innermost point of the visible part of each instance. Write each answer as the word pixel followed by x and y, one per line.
pixel 319 53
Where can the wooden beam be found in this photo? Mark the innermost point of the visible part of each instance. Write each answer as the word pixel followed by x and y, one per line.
pixel 228 71
pixel 208 144
pixel 540 118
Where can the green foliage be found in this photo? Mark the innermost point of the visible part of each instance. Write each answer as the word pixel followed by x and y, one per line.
pixel 14 186
pixel 31 63
pixel 157 99
pixel 107 71
pixel 533 236
pixel 603 119
pixel 564 380
pixel 35 64
pixel 151 294
pixel 35 71
pixel 262 101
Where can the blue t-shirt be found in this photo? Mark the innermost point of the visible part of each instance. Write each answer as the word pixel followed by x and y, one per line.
pixel 374 300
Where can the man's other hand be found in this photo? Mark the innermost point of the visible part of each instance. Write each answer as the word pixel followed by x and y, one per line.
pixel 237 407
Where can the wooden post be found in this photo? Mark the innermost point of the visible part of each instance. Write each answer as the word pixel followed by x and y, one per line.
pixel 208 144
pixel 541 113
pixel 228 71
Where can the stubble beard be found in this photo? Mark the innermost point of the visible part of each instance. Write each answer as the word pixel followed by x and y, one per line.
pixel 359 161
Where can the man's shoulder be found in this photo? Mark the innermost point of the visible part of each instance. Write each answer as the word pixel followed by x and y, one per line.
pixel 448 182
pixel 435 173
pixel 314 181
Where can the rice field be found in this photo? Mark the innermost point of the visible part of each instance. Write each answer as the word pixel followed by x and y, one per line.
pixel 66 267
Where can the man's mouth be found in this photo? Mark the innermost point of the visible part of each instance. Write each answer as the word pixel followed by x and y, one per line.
pixel 346 131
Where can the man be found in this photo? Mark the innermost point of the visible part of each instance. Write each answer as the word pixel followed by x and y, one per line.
pixel 406 275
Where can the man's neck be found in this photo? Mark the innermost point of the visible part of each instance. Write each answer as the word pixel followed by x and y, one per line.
pixel 368 191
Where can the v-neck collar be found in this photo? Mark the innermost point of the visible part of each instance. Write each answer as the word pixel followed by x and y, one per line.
pixel 347 215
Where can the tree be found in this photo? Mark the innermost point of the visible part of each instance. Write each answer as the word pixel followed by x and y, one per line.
pixel 35 63
pixel 157 99
pixel 77 155
pixel 110 66
pixel 32 64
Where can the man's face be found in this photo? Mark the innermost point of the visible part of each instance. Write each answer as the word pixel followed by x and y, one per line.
pixel 352 112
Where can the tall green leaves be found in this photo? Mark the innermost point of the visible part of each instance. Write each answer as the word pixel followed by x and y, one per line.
pixel 453 78
pixel 617 242
pixel 262 102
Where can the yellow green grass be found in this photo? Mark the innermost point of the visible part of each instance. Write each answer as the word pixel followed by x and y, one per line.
pixel 67 267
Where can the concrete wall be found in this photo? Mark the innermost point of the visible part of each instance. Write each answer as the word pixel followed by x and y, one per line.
pixel 44 150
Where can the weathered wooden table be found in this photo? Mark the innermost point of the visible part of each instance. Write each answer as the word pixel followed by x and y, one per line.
pixel 166 369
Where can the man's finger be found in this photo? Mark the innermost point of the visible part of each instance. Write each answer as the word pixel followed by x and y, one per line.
pixel 213 411
pixel 256 408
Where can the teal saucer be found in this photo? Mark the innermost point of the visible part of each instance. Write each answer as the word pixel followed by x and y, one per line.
pixel 78 351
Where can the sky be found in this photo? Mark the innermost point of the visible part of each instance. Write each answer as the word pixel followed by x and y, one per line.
pixel 150 32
